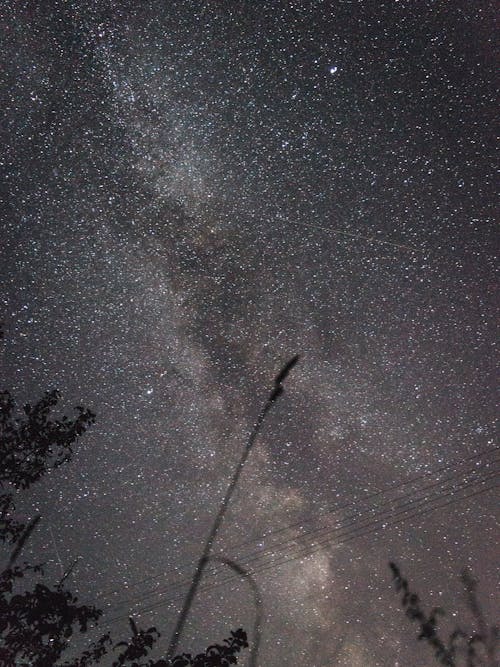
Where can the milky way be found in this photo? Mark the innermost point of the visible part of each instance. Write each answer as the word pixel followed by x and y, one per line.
pixel 192 193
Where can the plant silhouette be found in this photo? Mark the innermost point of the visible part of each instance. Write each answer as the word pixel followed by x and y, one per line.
pixel 35 625
pixel 31 446
pixel 38 619
pixel 473 648
pixel 205 557
pixel 216 655
pixel 257 627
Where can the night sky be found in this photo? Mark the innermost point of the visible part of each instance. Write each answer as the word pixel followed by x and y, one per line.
pixel 192 193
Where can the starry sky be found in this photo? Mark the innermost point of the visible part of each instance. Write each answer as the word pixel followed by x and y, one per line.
pixel 192 193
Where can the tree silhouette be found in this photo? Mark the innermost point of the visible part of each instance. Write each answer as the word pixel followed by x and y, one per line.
pixel 217 655
pixel 33 445
pixel 37 620
pixel 471 648
pixel 36 624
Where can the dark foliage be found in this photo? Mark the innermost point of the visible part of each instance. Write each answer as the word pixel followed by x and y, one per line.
pixel 38 620
pixel 10 529
pixel 91 656
pixel 138 647
pixel 477 649
pixel 217 655
pixel 30 446
pixel 35 625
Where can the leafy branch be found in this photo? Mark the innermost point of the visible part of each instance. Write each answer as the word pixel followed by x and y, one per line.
pixel 478 648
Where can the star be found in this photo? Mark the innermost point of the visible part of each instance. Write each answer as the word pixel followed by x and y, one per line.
pixel 183 192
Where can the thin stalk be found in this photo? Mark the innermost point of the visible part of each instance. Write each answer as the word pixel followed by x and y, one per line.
pixel 22 541
pixel 257 626
pixel 204 559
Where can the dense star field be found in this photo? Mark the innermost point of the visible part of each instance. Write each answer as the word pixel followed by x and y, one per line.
pixel 192 193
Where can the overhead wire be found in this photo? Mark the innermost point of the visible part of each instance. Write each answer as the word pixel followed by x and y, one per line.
pixel 394 487
pixel 319 530
pixel 257 555
pixel 308 551
pixel 455 464
pixel 105 511
pixel 347 530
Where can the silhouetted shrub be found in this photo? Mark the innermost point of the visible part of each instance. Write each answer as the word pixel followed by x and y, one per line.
pixel 36 624
pixel 476 649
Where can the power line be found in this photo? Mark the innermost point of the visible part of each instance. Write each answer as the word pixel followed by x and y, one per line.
pixel 332 509
pixel 257 555
pixel 350 530
pixel 106 512
pixel 307 551
pixel 397 486
pixel 389 520
pixel 378 516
